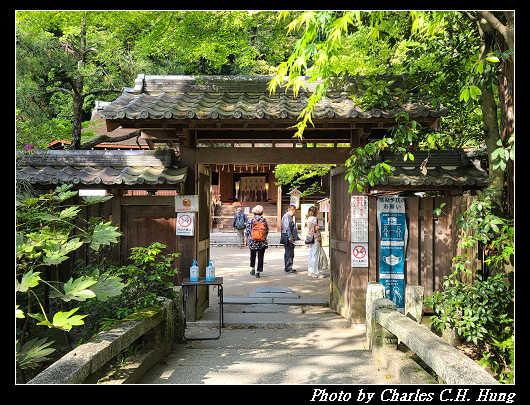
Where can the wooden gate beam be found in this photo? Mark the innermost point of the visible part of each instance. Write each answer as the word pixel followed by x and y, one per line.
pixel 287 155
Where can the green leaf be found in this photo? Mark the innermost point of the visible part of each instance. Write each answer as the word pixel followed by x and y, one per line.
pixel 103 234
pixel 64 196
pixel 18 312
pixel 29 280
pixel 33 352
pixel 94 199
pixel 57 252
pixel 474 91
pixel 48 217
pixel 70 212
pixel 492 58
pixel 464 94
pixel 65 320
pixel 76 290
pixel 107 286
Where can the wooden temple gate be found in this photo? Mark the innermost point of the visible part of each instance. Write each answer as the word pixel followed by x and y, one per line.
pixel 234 120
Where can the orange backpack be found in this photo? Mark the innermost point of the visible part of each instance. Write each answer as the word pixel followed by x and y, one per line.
pixel 259 231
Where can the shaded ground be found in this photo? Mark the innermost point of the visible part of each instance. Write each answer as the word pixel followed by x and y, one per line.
pixel 273 356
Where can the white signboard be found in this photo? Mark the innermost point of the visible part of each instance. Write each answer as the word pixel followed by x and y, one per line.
pixel 359 206
pixel 186 203
pixel 185 223
pixel 359 230
pixel 295 200
pixel 359 218
pixel 359 255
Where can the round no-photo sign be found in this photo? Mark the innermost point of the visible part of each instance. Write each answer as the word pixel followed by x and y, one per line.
pixel 359 252
pixel 184 221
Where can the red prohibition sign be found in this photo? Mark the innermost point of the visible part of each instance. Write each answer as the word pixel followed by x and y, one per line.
pixel 359 252
pixel 184 221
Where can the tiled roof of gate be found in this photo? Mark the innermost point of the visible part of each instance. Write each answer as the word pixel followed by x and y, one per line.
pixel 233 97
pixel 444 168
pixel 102 167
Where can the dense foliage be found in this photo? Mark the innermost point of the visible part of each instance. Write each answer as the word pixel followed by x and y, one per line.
pixel 146 279
pixel 46 233
pixel 479 312
pixel 65 60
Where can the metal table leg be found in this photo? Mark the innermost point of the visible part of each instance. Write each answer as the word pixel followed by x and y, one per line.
pixel 221 312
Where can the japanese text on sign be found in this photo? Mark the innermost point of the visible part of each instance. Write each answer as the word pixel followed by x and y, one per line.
pixel 391 221
pixel 359 218
pixel 186 203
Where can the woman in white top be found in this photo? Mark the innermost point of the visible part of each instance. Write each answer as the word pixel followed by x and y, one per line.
pixel 315 249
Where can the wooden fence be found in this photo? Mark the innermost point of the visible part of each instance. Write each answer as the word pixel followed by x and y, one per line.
pixel 433 241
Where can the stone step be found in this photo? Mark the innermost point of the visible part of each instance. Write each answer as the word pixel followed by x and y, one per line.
pixel 292 295
pixel 274 320
pixel 272 308
pixel 281 301
pixel 273 289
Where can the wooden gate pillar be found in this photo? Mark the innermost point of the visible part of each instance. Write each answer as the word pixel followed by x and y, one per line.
pixel 198 246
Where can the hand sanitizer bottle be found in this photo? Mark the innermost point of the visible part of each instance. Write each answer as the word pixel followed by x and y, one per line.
pixel 194 271
pixel 210 272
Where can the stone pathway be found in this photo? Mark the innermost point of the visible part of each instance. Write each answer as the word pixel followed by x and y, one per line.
pixel 272 356
pixel 278 330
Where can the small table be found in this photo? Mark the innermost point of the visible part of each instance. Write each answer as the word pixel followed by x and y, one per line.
pixel 186 284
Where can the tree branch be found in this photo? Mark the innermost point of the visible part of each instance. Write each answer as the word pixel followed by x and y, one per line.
pixel 111 139
pixel 103 91
pixel 59 89
pixel 494 22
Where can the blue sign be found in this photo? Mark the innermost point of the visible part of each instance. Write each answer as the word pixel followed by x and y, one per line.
pixel 391 221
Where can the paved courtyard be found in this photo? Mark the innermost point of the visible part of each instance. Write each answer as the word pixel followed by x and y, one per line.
pixel 309 346
pixel 233 264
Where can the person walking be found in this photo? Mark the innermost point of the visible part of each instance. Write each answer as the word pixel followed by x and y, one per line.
pixel 289 235
pixel 256 239
pixel 239 225
pixel 315 248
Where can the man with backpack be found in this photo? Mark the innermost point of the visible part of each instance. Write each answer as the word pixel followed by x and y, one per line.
pixel 239 224
pixel 256 239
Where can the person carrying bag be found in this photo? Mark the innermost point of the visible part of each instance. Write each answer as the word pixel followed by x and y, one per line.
pixel 256 239
pixel 314 240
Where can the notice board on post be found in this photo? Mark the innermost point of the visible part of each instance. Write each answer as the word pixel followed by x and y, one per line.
pixel 359 231
pixel 186 206
pixel 393 234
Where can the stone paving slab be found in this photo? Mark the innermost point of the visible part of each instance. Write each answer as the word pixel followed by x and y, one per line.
pixel 272 356
pixel 239 300
pixel 271 320
pixel 291 295
pixel 302 301
pixel 273 289
pixel 272 308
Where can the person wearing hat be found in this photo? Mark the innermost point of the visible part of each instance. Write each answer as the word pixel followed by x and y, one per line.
pixel 257 241
pixel 239 224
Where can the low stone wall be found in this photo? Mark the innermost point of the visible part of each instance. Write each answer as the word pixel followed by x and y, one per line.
pixel 158 327
pixel 384 326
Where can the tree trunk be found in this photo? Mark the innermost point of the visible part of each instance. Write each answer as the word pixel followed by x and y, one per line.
pixel 489 112
pixel 506 105
pixel 79 97
pixel 76 121
pixel 489 117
